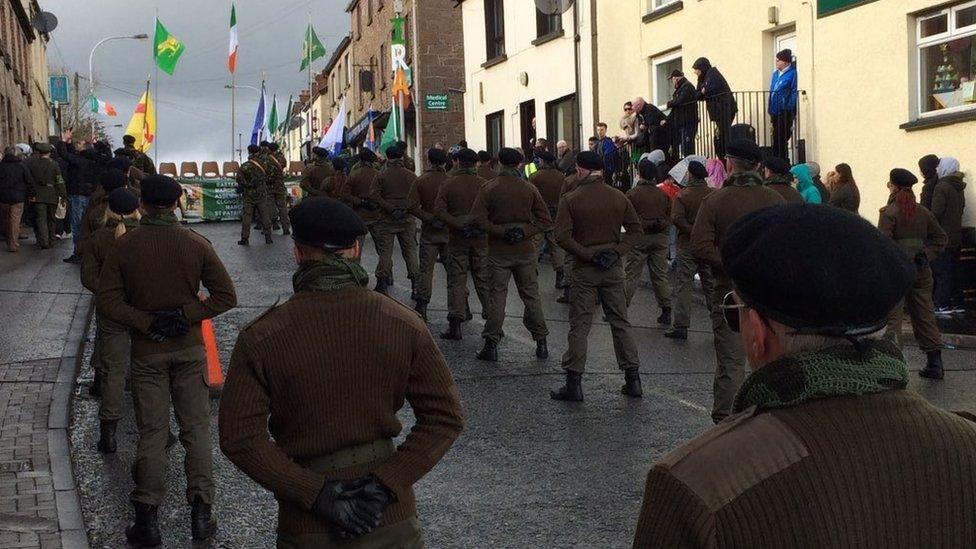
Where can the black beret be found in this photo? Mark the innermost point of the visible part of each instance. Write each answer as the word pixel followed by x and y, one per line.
pixel 816 268
pixel 744 149
pixel 394 152
pixel 325 223
pixel 111 179
pixel 339 164
pixel 647 170
pixel 589 160
pixel 265 144
pixel 437 156
pixel 128 140
pixel 273 147
pixel 697 170
pixel 467 156
pixel 777 165
pixel 253 149
pixel 123 201
pixel 510 157
pixel 320 152
pixel 484 156
pixel 121 163
pixel 160 191
pixel 43 148
pixel 544 155
pixel 367 155
pixel 901 177
pixel 402 145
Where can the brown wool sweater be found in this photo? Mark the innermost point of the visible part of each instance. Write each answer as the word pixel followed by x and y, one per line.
pixel 881 470
pixel 327 371
pixel 550 182
pixel 391 189
pixel 652 205
pixel 487 173
pixel 589 220
pixel 505 202
pixel 356 188
pixel 922 233
pixel 685 210
pixel 315 177
pixel 100 244
pixel 423 194
pixel 454 203
pixel 158 268
pixel 720 211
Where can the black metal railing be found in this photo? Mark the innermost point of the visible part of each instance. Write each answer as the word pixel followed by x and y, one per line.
pixel 728 115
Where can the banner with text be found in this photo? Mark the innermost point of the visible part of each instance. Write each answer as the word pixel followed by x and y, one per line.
pixel 208 199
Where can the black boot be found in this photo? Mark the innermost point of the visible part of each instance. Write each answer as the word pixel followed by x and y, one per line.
pixel 541 349
pixel 382 286
pixel 454 331
pixel 565 298
pixel 268 239
pixel 632 383
pixel 96 387
pixel 243 242
pixel 421 307
pixel 933 369
pixel 106 441
pixel 572 391
pixel 202 524
pixel 489 352
pixel 145 530
pixel 559 279
pixel 665 317
pixel 676 333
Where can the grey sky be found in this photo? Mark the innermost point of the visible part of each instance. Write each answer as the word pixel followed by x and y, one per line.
pixel 193 108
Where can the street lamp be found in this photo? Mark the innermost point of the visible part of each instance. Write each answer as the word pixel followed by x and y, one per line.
pixel 233 113
pixel 239 86
pixel 91 59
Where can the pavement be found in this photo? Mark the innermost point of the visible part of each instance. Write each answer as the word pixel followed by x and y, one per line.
pixel 526 472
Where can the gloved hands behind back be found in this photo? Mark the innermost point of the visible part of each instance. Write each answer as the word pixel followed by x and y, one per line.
pixel 374 498
pixel 354 508
pixel 514 235
pixel 399 214
pixel 168 323
pixel 470 231
pixel 437 224
pixel 368 205
pixel 604 259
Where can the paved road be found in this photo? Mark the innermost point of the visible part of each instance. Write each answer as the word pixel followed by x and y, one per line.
pixel 526 472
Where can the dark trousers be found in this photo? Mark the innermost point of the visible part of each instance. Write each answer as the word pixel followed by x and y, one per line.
pixel 683 140
pixel 723 125
pixel 948 291
pixel 782 132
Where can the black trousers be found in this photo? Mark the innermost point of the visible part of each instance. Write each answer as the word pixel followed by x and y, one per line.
pixel 782 132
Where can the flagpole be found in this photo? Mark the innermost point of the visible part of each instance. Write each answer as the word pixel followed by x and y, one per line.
pixel 308 53
pixel 156 94
pixel 233 102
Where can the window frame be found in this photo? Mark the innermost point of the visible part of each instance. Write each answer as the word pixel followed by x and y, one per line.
pixel 489 118
pixel 541 17
pixel 574 132
pixel 497 19
pixel 951 34
pixel 654 5
pixel 661 59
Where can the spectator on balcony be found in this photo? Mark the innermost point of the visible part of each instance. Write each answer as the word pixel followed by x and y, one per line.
pixel 782 102
pixel 714 90
pixel 844 193
pixel 928 166
pixel 683 120
pixel 804 184
pixel 650 134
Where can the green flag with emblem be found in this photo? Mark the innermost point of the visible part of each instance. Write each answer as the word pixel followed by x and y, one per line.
pixel 312 48
pixel 167 49
pixel 273 117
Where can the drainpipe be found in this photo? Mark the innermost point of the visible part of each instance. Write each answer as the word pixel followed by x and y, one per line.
pixel 595 61
pixel 813 95
pixel 577 103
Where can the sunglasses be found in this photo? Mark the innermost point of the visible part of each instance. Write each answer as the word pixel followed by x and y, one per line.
pixel 730 310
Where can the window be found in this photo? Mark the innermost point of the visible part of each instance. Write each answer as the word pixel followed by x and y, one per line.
pixel 653 5
pixel 372 66
pixel 561 121
pixel 547 24
pixel 947 59
pixel 348 71
pixel 369 12
pixel 495 123
pixel 359 24
pixel 494 28
pixel 382 69
pixel 661 67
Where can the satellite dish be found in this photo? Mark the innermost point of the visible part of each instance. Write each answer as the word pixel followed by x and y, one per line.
pixel 296 122
pixel 553 7
pixel 45 22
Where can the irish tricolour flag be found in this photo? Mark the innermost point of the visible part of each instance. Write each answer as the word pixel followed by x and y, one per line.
pixel 232 53
pixel 102 107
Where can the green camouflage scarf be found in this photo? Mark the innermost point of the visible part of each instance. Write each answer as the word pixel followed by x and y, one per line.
pixel 465 171
pixel 328 275
pixel 744 179
pixel 160 220
pixel 693 182
pixel 836 371
pixel 780 179
pixel 510 171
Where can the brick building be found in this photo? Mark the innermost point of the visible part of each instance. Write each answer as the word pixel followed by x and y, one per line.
pixel 23 74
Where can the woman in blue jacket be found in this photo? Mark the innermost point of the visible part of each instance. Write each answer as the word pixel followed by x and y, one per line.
pixel 782 102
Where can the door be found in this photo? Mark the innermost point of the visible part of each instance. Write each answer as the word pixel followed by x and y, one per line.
pixel 784 41
pixel 527 123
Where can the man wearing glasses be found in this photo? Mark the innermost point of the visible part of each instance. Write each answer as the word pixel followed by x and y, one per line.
pixel 743 193
pixel 827 446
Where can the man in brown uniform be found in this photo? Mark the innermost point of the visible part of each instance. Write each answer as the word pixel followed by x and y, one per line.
pixel 316 174
pixel 654 209
pixel 485 170
pixel 742 193
pixel 827 448
pixel 318 434
pixel 48 189
pixel 550 182
pixel 434 234
pixel 779 179
pixel 355 193
pixel 683 213
pixel 588 226
pixel 512 211
pixel 151 285
pixel 252 185
pixel 391 192
pixel 916 232
pixel 467 248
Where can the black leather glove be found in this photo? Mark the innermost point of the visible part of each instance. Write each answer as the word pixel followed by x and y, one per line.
pixel 373 496
pixel 604 259
pixel 470 231
pixel 369 205
pixel 338 504
pixel 921 260
pixel 514 235
pixel 169 323
pixel 437 224
pixel 654 226
pixel 399 214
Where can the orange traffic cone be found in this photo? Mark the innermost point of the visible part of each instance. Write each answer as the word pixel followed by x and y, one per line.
pixel 215 376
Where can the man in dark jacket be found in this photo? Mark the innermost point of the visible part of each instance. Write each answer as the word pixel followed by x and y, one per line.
pixel 651 134
pixel 49 188
pixel 16 188
pixel 87 166
pixel 928 166
pixel 714 90
pixel 683 119
pixel 948 203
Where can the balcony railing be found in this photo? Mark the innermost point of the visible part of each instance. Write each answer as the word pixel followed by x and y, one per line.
pixel 750 108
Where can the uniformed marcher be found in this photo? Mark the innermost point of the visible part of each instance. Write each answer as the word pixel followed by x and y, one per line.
pixel 434 233
pixel 917 233
pixel 654 209
pixel 549 181
pixel 355 193
pixel 151 285
pixel 48 189
pixel 827 447
pixel 391 192
pixel 408 162
pixel 512 211
pixel 684 210
pixel 780 179
pixel 310 406
pixel 252 185
pixel 588 226
pixel 335 182
pixel 114 349
pixel 278 192
pixel 139 159
pixel 485 169
pixel 742 193
pixel 569 184
pixel 467 248
pixel 315 176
